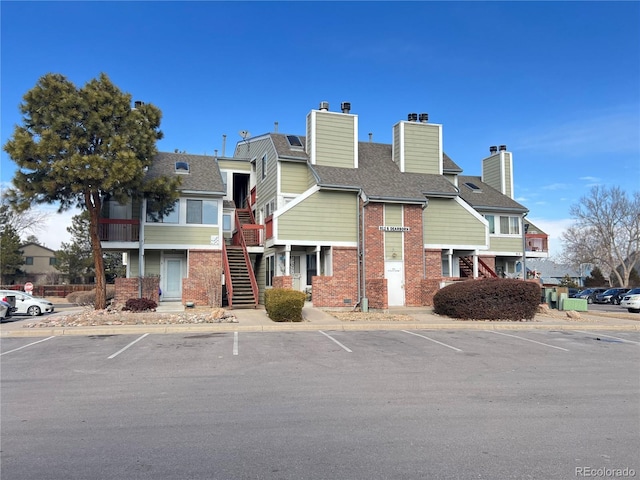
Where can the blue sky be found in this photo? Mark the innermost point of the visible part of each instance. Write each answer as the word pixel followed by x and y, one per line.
pixel 558 83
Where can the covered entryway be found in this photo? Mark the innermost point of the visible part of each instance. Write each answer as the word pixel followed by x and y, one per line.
pixel 171 278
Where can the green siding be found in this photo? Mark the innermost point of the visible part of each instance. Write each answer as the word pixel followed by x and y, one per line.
pixel 396 144
pixel 335 140
pixel 294 177
pixel 491 172
pixel 179 235
pixel 507 174
pixel 152 262
pixel 446 222
pixel 324 216
pixel 134 264
pixel 505 244
pixel 236 166
pixel 393 240
pixel 422 148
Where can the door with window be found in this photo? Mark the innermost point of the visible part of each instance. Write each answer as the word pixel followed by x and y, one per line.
pixel 295 272
pixel 172 279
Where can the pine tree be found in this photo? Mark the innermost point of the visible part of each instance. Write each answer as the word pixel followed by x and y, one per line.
pixel 78 146
pixel 11 258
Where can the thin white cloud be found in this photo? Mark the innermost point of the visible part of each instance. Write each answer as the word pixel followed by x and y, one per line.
pixel 54 231
pixel 556 186
pixel 608 132
pixel 590 179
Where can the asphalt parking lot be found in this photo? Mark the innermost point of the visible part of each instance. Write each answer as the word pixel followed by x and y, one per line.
pixel 460 404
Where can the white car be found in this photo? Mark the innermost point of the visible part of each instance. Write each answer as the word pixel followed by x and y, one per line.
pixel 631 300
pixel 29 305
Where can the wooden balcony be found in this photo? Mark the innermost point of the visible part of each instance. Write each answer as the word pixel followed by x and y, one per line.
pixel 119 230
pixel 537 242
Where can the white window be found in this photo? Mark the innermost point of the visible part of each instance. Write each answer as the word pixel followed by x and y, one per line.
pixel 226 222
pixel 505 226
pixel 492 223
pixel 204 212
pixel 155 216
pixel 224 180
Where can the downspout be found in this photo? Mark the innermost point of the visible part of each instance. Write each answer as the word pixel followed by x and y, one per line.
pixel 424 256
pixel 364 301
pixel 143 217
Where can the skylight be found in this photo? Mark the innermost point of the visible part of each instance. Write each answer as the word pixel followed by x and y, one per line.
pixel 294 141
pixel 182 167
pixel 473 187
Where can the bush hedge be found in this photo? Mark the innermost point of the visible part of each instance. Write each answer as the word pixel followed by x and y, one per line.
pixel 140 305
pixel 284 305
pixel 88 297
pixel 488 299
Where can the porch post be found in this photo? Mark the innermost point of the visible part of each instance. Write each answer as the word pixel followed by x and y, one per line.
pixel 475 264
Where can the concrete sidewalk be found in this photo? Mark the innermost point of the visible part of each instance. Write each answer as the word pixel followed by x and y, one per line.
pixel 256 320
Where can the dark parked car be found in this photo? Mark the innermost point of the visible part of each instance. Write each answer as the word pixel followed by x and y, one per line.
pixel 617 298
pixel 573 292
pixel 589 294
pixel 607 295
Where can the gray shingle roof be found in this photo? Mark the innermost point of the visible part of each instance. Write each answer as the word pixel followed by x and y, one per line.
pixel 487 198
pixel 203 177
pixel 381 179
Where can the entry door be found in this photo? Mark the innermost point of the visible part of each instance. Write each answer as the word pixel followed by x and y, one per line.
pixel 394 273
pixel 172 279
pixel 295 272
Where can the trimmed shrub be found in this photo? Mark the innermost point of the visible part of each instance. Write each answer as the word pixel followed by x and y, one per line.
pixel 488 299
pixel 140 305
pixel 284 305
pixel 88 297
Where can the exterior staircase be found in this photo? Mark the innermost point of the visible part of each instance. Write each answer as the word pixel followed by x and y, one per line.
pixel 239 279
pixel 466 268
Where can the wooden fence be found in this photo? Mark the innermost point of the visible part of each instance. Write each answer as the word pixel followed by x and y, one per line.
pixel 50 290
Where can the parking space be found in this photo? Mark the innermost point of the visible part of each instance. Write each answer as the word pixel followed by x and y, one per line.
pixel 248 402
pixel 211 347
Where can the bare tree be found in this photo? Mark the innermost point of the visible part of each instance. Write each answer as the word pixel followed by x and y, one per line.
pixel 606 232
pixel 26 223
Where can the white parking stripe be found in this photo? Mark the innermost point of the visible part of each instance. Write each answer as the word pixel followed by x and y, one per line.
pixel 235 343
pixel 528 340
pixel 432 340
pixel 609 336
pixel 123 349
pixel 27 345
pixel 329 336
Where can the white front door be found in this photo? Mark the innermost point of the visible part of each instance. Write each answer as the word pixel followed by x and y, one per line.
pixel 394 273
pixel 295 272
pixel 172 279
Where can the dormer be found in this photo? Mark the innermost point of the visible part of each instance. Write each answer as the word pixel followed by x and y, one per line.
pixel 497 170
pixel 417 145
pixel 332 137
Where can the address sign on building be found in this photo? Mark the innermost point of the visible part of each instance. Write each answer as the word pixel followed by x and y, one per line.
pixel 393 229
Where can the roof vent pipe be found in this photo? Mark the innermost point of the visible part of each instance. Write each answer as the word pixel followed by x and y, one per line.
pixel 138 104
pixel 412 117
pixel 324 106
pixel 493 149
pixel 345 107
pixel 424 117
pixel 224 143
pixel 370 137
pixel 503 148
pixel 275 126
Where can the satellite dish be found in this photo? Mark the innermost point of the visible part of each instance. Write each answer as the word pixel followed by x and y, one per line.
pixel 244 134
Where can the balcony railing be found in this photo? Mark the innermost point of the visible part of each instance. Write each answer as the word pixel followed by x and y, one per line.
pixel 119 230
pixel 537 242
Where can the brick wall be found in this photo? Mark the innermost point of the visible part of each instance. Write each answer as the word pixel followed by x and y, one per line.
pixel 377 293
pixel 433 263
pixel 284 281
pixel 203 286
pixel 127 288
pixel 340 289
pixel 374 241
pixel 413 256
